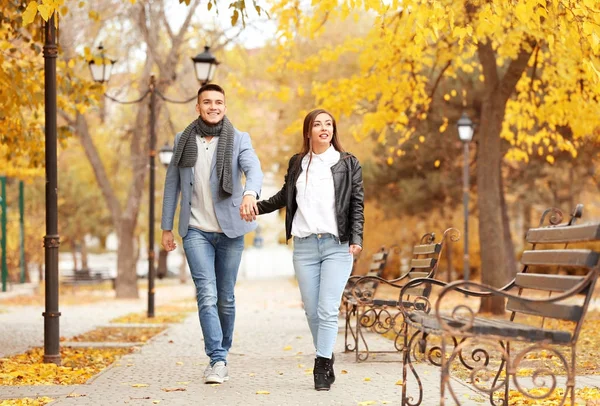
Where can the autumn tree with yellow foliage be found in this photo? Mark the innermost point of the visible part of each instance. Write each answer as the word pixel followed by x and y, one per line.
pixel 533 63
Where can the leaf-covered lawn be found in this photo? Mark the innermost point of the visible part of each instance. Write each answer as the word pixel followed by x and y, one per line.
pixel 119 334
pixel 142 318
pixel 78 365
pixel 26 402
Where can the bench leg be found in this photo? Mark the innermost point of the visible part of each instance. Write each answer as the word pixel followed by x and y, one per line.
pixel 406 365
pixel 350 311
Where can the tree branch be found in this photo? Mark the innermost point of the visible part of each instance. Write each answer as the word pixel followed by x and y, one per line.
pixel 515 70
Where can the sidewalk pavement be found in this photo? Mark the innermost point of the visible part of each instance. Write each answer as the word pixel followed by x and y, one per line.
pixel 270 364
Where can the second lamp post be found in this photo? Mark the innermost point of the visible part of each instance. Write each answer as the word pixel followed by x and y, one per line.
pixel 204 65
pixel 465 132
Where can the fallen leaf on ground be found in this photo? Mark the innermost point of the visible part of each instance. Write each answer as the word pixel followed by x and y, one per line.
pixel 367 379
pixel 183 383
pixel 343 372
pixel 174 389
pixel 262 392
pixel 139 385
pixel 367 403
pixel 287 348
pixel 119 334
pixel 75 395
pixel 179 363
pixel 399 382
pixel 78 365
pixel 156 402
pixel 26 401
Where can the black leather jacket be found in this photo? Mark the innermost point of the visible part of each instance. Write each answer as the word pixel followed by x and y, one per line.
pixel 349 197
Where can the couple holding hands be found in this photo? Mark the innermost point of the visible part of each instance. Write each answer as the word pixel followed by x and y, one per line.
pixel 323 196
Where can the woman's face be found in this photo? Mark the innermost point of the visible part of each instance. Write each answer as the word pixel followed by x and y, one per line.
pixel 321 133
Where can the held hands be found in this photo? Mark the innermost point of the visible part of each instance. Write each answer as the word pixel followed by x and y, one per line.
pixel 355 249
pixel 168 241
pixel 248 208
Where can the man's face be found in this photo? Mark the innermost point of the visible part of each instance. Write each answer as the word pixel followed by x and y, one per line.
pixel 211 106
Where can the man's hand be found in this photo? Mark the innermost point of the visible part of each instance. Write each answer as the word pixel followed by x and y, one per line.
pixel 248 208
pixel 168 241
pixel 355 249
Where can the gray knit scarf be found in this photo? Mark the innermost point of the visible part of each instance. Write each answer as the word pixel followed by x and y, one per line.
pixel 186 153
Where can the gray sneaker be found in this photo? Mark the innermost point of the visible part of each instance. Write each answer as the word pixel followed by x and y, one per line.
pixel 207 371
pixel 219 373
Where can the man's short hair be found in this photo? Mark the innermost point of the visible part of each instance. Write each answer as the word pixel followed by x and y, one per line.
pixel 211 87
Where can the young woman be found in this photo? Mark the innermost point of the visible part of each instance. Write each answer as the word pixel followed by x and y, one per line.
pixel 323 196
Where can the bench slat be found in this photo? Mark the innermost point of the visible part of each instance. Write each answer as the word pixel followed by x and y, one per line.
pixel 500 328
pixel 573 233
pixel 376 265
pixel 378 256
pixel 423 263
pixel 427 249
pixel 570 257
pixel 556 283
pixel 551 310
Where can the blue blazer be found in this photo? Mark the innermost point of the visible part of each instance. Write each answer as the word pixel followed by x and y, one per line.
pixel 227 209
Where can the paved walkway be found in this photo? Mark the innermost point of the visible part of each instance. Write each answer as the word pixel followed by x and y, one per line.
pixel 270 364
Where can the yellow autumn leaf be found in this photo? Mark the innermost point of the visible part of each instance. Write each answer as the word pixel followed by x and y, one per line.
pixel 287 348
pixel 367 403
pixel 400 382
pixel 45 11
pixel 367 379
pixel 139 385
pixel 436 163
pixel 156 402
pixel 29 13
pixel 343 372
pixel 64 10
pixel 179 363
pixel 263 392
pixel 550 159
pixel 390 161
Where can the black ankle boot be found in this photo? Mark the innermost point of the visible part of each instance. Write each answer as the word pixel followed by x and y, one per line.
pixel 331 372
pixel 321 373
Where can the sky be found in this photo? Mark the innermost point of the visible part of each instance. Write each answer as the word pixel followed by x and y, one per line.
pixel 258 30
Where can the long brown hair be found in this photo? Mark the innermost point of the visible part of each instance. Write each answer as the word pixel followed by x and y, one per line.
pixel 309 121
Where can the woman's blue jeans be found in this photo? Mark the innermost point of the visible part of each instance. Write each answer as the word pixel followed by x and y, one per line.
pixel 322 266
pixel 214 260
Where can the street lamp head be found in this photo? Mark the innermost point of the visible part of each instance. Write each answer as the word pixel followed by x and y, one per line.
pixel 165 154
pixel 101 67
pixel 205 65
pixel 465 128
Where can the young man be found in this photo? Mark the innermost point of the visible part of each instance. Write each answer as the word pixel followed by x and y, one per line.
pixel 208 160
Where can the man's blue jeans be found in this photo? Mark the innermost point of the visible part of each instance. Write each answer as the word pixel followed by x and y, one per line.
pixel 214 260
pixel 322 265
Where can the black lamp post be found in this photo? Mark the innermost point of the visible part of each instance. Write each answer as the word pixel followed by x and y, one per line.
pixel 204 65
pixel 465 133
pixel 51 239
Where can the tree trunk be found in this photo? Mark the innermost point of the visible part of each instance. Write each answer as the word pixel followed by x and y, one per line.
pixel 74 255
pixel 183 269
pixel 126 283
pixel 161 270
pixel 497 91
pixel 493 269
pixel 84 255
pixel 509 247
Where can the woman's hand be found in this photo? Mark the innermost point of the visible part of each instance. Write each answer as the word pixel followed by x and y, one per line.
pixel 355 249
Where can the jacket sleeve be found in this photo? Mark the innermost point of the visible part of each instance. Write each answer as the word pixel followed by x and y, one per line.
pixel 171 192
pixel 357 197
pixel 278 200
pixel 250 165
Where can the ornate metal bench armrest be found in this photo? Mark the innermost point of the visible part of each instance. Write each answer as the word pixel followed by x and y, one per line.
pixel 362 289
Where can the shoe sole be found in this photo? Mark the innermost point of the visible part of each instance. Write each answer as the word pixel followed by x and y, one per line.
pixel 322 389
pixel 216 380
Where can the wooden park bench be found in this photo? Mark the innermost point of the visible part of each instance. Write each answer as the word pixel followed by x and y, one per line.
pixel 381 314
pixel 475 343
pixel 87 276
pixel 349 304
